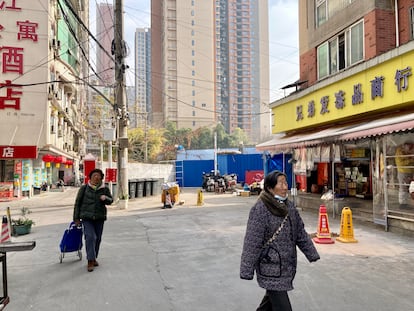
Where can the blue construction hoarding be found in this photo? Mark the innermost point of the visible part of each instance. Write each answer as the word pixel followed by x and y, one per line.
pixel 190 172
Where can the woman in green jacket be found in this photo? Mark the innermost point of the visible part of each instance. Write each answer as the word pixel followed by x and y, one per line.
pixel 90 208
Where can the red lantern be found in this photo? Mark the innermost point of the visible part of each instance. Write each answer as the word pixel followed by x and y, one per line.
pixel 69 163
pixel 47 158
pixel 58 160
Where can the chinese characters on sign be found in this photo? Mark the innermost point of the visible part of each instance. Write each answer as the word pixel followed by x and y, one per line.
pixel 11 96
pixel 12 57
pixel 9 5
pixel 18 152
pixel 401 78
pixel 357 98
pixel 8 152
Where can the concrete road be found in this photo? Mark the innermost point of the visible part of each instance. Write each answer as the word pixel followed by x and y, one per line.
pixel 187 259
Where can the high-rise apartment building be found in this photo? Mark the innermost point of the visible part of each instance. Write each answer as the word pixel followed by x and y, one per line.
pixel 141 108
pixel 210 64
pixel 105 66
pixel 242 74
pixel 101 97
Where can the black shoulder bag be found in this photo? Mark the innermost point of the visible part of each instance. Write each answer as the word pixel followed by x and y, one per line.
pixel 269 263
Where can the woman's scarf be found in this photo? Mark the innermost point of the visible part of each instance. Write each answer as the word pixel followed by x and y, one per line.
pixel 94 187
pixel 275 206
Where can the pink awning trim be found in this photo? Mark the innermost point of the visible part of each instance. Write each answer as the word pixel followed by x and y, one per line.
pixel 383 126
pixel 381 130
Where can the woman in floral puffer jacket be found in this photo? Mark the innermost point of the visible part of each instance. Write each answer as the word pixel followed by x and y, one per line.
pixel 276 274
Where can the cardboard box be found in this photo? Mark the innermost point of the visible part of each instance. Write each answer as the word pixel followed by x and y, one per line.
pixel 352 192
pixel 245 193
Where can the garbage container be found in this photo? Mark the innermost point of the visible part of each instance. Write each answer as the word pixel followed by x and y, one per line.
pixel 148 187
pixel 156 185
pixel 132 186
pixel 153 180
pixel 140 188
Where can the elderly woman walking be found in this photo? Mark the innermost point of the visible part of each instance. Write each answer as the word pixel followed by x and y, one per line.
pixel 90 208
pixel 274 229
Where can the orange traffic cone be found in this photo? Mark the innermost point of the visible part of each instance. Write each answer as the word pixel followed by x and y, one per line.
pixel 5 233
pixel 323 235
pixel 346 234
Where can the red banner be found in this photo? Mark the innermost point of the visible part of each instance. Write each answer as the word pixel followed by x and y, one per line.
pixel 253 176
pixel 18 152
pixel 110 175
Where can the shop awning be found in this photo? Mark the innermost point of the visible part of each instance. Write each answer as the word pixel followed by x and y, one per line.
pixel 282 142
pixel 20 135
pixel 382 126
pixel 378 127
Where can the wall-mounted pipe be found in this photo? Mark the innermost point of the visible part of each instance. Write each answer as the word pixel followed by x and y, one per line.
pixel 397 29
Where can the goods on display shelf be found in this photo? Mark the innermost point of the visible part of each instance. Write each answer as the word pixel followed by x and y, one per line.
pixel 6 189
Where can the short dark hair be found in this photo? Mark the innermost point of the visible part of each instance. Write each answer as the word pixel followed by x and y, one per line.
pixel 96 170
pixel 270 180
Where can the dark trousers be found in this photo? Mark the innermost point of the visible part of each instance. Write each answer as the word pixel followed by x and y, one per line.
pixel 93 235
pixel 275 301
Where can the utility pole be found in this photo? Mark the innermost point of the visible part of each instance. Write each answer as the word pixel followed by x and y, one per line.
pixel 146 138
pixel 121 109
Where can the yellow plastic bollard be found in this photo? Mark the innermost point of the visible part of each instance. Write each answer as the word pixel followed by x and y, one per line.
pixel 200 198
pixel 346 234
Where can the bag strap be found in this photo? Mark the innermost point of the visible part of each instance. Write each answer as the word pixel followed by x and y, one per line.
pixel 274 236
pixel 83 193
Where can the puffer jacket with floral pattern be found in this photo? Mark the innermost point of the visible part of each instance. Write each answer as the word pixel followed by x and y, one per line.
pixel 280 269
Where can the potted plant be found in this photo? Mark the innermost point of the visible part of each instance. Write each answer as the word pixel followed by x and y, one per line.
pixel 23 224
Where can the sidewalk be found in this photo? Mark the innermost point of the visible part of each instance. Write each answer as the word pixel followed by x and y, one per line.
pixel 187 258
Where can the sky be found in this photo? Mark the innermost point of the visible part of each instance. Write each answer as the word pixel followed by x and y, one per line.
pixel 283 39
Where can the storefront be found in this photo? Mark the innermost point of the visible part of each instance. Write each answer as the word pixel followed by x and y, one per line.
pixel 353 134
pixel 16 171
pixel 23 174
pixel 370 162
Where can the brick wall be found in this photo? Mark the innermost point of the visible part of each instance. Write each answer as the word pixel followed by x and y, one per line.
pixel 379 32
pixel 308 67
pixel 404 20
pixel 379 29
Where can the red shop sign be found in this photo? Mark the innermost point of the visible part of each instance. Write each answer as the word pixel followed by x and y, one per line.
pixel 18 152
